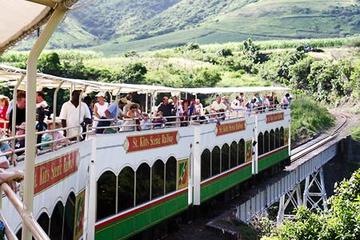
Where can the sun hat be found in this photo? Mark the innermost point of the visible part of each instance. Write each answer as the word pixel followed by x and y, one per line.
pixel 100 94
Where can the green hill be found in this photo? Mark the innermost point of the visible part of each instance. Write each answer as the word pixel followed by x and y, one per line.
pixel 117 26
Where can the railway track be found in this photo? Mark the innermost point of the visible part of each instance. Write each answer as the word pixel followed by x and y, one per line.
pixel 297 154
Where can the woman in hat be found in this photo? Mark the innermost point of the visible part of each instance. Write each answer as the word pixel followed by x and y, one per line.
pixel 100 107
pixel 132 120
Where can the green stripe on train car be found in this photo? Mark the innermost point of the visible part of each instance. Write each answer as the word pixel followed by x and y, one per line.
pixel 224 183
pixel 273 159
pixel 144 219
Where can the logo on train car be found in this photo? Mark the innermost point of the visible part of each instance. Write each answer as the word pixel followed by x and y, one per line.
pixel 79 215
pixel 149 141
pixel 227 128
pixel 274 117
pixel 55 170
pixel 182 175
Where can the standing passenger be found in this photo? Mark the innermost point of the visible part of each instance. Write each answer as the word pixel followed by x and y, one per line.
pixel 72 117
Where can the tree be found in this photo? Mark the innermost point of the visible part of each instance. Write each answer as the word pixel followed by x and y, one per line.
pixel 133 73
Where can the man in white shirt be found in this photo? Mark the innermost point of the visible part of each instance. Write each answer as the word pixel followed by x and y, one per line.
pixel 218 105
pixel 73 115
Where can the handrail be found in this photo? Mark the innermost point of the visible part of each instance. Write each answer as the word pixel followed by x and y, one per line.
pixel 10 235
pixel 28 219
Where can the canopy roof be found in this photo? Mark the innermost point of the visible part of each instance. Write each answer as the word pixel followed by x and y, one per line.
pixel 19 18
pixel 10 75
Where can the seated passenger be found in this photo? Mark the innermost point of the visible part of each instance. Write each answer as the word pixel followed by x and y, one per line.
pixel 57 136
pixel 145 123
pixel 5 150
pixel 226 102
pixel 113 114
pixel 198 108
pixel 132 119
pixel 159 120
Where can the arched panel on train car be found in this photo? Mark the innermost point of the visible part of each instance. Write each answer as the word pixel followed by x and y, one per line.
pixel 272 140
pixel 205 164
pixel 68 232
pixel 266 142
pixel 260 144
pixel 241 151
pixel 106 195
pixel 142 184
pixel 157 179
pixel 215 161
pixel 277 138
pixel 282 137
pixel 225 157
pixel 44 222
pixel 233 155
pixel 56 222
pixel 126 181
pixel 170 184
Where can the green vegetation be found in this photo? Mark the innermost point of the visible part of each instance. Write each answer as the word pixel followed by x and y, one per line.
pixel 118 25
pixel 355 134
pixel 342 221
pixel 308 118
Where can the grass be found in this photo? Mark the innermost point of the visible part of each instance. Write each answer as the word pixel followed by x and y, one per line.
pixel 355 134
pixel 308 118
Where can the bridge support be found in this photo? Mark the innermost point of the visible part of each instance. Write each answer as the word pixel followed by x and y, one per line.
pixel 314 192
pixel 288 203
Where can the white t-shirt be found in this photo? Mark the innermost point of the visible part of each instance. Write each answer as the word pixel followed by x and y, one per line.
pixel 102 108
pixel 42 104
pixel 218 106
pixel 70 113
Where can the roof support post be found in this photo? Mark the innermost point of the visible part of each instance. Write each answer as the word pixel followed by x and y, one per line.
pixel 30 144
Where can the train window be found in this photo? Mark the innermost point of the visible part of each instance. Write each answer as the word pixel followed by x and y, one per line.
pixel 170 184
pixel 272 140
pixel 233 155
pixel 260 144
pixel 69 217
pixel 56 222
pixel 44 222
pixel 282 137
pixel 277 138
pixel 142 184
pixel 266 142
pixel 126 189
pixel 157 179
pixel 205 165
pixel 106 195
pixel 241 151
pixel 225 157
pixel 215 161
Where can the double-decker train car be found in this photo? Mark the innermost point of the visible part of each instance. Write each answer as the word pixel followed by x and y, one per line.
pixel 120 183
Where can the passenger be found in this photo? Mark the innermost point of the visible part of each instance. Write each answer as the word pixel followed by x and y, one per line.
pixel 4 105
pixel 286 101
pixel 235 104
pixel 159 120
pixel 11 103
pixel 100 108
pixel 145 123
pixel 226 102
pixel 266 102
pixel 89 103
pixel 73 115
pixel 167 109
pixel 198 108
pixel 114 113
pixel 242 100
pixel 40 125
pixel 132 119
pixel 40 100
pixel 20 110
pixel 4 149
pixel 179 111
pixel 129 100
pixel 57 136
pixel 217 105
pixel 20 141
